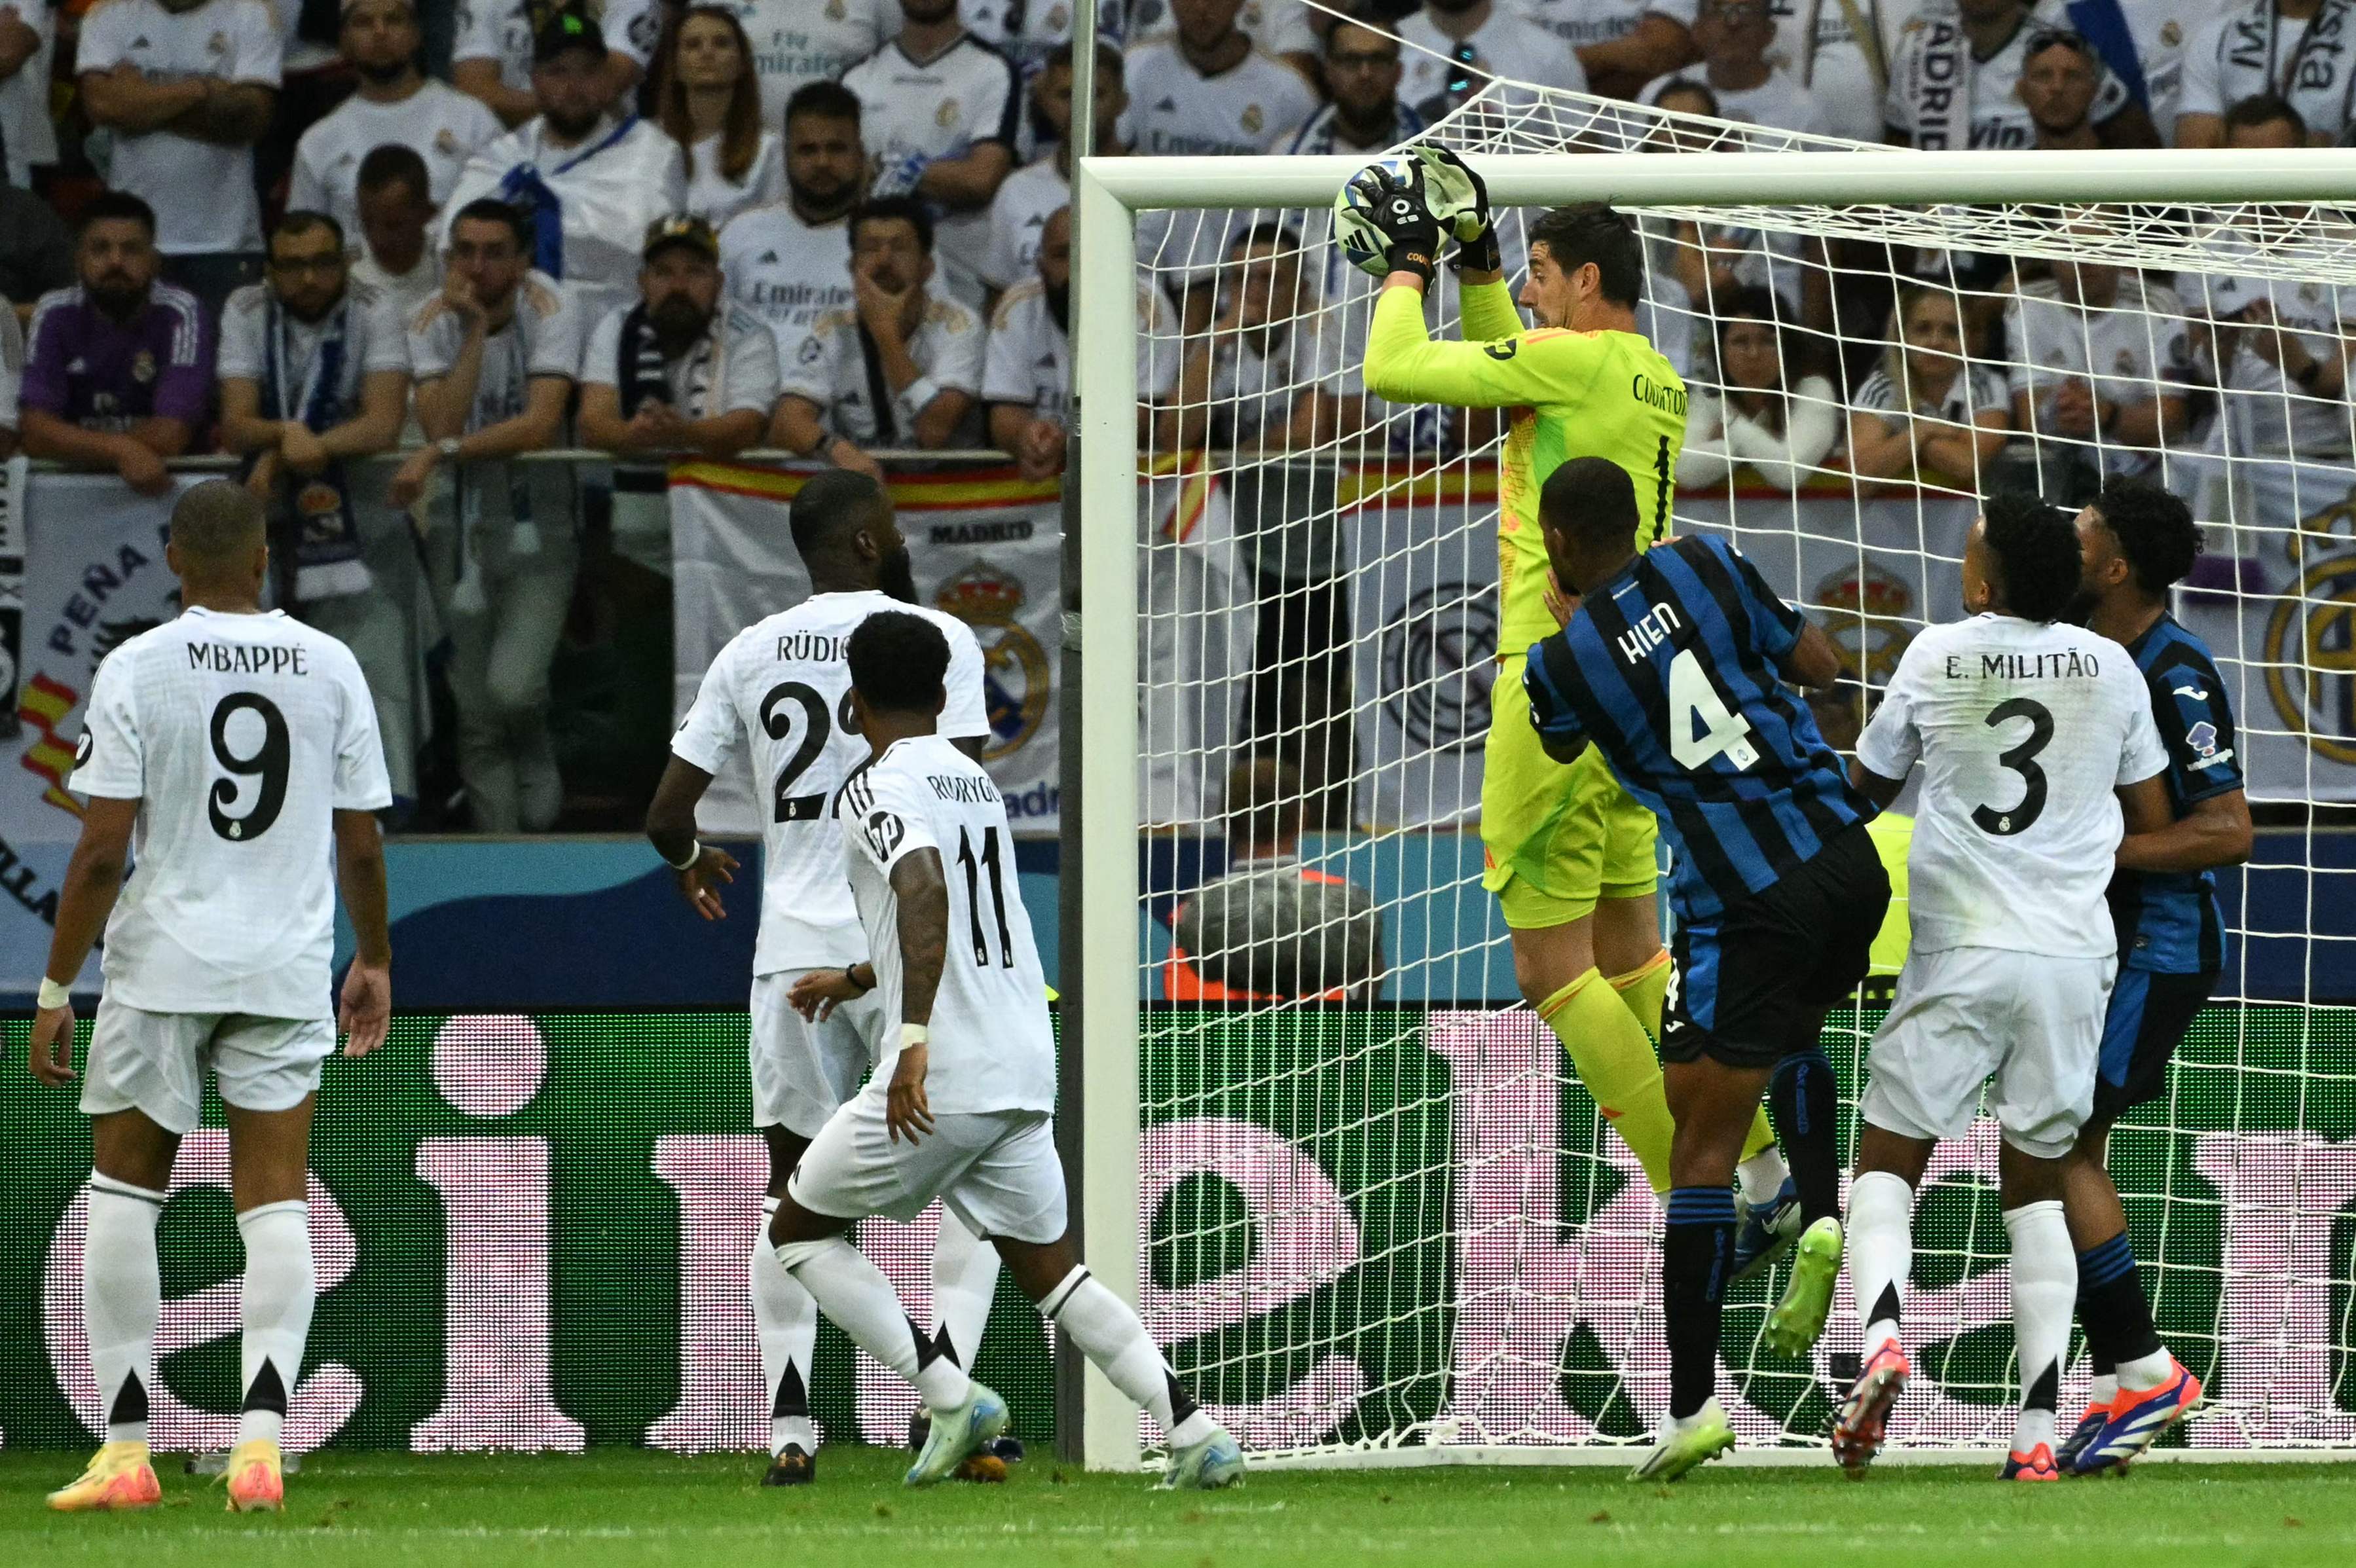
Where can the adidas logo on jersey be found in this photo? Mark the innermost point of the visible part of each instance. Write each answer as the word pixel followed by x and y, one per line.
pixel 768 258
pixel 1168 106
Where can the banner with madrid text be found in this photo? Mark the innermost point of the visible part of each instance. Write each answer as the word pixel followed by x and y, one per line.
pixel 985 545
pixel 94 576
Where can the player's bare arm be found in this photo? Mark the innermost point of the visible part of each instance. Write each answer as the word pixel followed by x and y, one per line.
pixel 1872 786
pixel 700 869
pixel 817 993
pixel 93 879
pixel 924 931
pixel 2215 832
pixel 1813 664
pixel 2145 804
pixel 366 1011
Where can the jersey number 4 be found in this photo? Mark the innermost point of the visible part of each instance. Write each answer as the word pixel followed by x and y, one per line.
pixel 2022 760
pixel 267 764
pixel 779 708
pixel 1700 726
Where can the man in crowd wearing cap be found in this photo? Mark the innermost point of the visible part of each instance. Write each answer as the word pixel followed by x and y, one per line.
pixel 395 104
pixel 186 90
pixel 682 371
pixel 119 367
pixel 495 355
pixel 493 55
pixel 586 182
pixel 901 368
pixel 314 377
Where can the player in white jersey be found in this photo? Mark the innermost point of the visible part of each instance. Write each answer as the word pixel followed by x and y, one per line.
pixel 780 686
pixel 235 753
pixel 2033 736
pixel 961 1106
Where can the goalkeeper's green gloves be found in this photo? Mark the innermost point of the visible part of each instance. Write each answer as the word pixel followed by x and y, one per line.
pixel 1476 234
pixel 1397 209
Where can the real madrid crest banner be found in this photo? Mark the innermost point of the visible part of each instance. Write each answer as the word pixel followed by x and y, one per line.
pixel 986 545
pixel 94 576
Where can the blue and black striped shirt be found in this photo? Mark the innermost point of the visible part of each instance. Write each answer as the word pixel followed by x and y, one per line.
pixel 1671 671
pixel 2169 921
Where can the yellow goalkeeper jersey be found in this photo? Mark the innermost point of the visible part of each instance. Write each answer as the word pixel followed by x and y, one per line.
pixel 1573 394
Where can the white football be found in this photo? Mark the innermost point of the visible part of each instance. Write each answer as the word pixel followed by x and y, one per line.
pixel 1354 229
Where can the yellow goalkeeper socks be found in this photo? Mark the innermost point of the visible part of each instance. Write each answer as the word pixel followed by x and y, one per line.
pixel 1645 990
pixel 1613 1059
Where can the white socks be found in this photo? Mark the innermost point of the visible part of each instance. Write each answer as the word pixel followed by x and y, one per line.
pixel 785 1321
pixel 965 1278
pixel 2143 1372
pixel 1762 1177
pixel 280 1291
pixel 1109 1334
pixel 1880 1251
pixel 2044 1296
pixel 122 1295
pixel 855 1293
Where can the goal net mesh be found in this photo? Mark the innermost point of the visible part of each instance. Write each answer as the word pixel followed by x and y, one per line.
pixel 1379 1212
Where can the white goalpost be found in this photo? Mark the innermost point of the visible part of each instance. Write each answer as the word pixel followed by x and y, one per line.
pixel 1373 1219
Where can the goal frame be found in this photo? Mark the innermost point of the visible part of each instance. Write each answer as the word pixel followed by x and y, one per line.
pixel 1101 820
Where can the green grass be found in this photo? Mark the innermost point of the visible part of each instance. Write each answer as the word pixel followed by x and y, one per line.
pixel 620 1506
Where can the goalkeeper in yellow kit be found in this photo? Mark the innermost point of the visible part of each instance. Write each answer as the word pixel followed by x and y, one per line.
pixel 1569 856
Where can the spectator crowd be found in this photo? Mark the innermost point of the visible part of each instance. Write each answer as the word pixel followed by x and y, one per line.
pixel 837 228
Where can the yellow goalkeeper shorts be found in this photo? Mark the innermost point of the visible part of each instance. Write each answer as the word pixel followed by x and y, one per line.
pixel 1555 838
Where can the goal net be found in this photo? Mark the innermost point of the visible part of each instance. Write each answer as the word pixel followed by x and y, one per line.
pixel 1359 1192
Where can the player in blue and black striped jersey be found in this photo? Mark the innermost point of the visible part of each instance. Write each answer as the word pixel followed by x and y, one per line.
pixel 1673 665
pixel 2138 541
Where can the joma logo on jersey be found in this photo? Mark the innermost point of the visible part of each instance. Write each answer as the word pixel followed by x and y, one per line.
pixel 1015 678
pixel 1648 632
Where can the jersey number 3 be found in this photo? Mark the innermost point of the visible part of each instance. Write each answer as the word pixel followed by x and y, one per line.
pixel 1692 698
pixel 2022 760
pixel 266 764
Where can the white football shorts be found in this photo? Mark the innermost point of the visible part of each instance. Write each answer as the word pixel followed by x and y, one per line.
pixel 2032 1023
pixel 155 1064
pixel 802 1072
pixel 995 1170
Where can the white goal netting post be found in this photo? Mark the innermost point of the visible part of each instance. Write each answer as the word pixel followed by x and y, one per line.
pixel 1368 1210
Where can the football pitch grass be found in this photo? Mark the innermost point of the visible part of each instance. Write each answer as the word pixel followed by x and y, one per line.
pixel 624 1505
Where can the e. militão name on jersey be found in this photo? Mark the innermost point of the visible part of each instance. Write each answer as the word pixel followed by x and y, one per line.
pixel 1670 669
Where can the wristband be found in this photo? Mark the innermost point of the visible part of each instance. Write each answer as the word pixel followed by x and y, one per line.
pixel 1481 255
pixel 850 973
pixel 913 1034
pixel 694 853
pixel 51 996
pixel 916 397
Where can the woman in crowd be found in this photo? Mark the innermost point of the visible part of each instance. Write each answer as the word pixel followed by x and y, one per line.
pixel 1926 409
pixel 1782 431
pixel 711 105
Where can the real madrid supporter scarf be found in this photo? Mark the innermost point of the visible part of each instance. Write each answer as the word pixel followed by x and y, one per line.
pixel 316 509
pixel 1942 83
pixel 526 189
pixel 641 371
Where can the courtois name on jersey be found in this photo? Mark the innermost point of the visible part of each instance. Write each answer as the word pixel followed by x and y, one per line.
pixel 781 687
pixel 239 736
pixel 1671 671
pixel 2025 732
pixel 989 1046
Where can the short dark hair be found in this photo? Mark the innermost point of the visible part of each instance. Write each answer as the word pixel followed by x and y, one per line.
pixel 215 523
pixel 393 163
pixel 118 206
pixel 827 100
pixel 2036 555
pixel 2264 108
pixel 1263 802
pixel 904 210
pixel 1109 60
pixel 829 508
pixel 898 661
pixel 491 209
pixel 1595 231
pixel 1271 231
pixel 299 218
pixel 2155 531
pixel 1593 501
